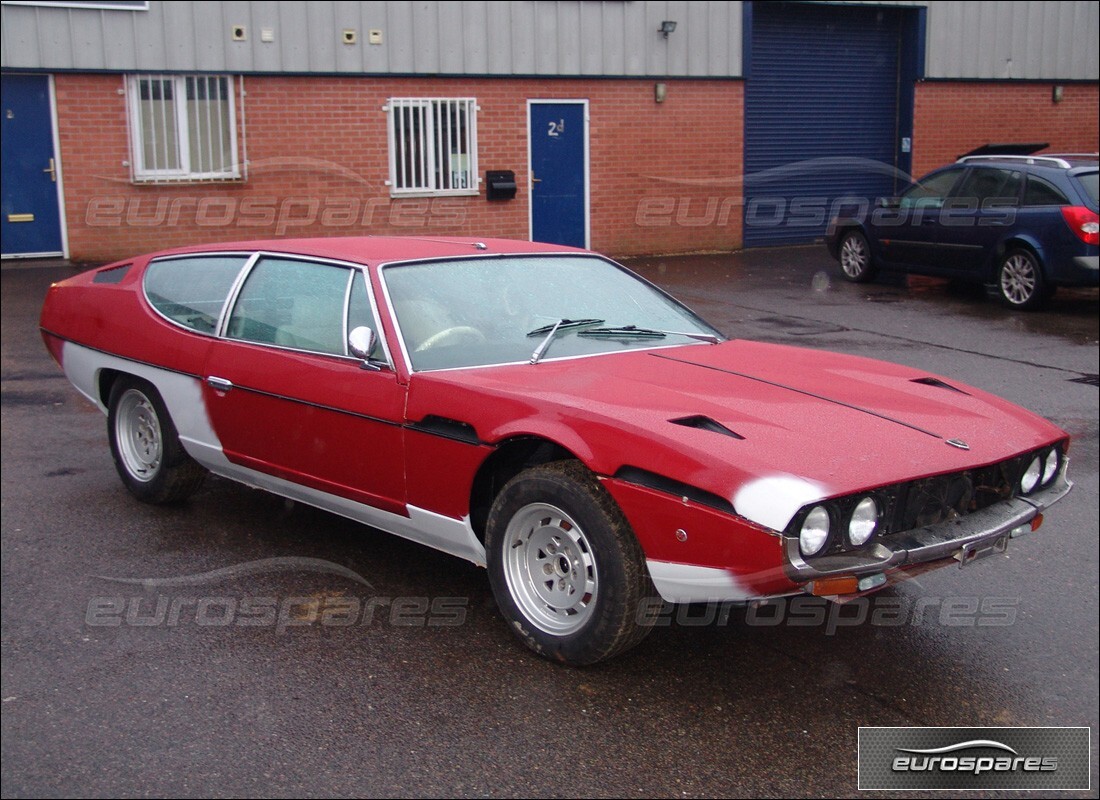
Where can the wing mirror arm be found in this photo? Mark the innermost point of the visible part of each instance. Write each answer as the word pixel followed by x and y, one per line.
pixel 361 342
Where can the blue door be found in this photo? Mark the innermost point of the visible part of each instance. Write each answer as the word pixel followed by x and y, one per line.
pixel 30 219
pixel 559 197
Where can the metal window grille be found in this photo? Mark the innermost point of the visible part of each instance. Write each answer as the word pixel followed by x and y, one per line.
pixel 183 127
pixel 433 145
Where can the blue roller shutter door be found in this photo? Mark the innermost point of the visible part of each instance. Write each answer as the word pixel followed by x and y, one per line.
pixel 821 115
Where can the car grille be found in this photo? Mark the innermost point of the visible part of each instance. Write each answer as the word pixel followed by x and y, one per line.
pixel 942 498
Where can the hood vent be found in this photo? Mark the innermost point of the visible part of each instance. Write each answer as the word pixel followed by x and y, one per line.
pixel 938 384
pixel 705 424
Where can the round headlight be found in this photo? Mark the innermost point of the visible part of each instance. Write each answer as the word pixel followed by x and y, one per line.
pixel 864 521
pixel 1050 466
pixel 815 530
pixel 1031 476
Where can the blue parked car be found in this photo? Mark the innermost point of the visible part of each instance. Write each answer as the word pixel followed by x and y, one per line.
pixel 1021 225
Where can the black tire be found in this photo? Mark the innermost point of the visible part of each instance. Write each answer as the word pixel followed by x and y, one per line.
pixel 145 445
pixel 565 567
pixel 854 255
pixel 1020 281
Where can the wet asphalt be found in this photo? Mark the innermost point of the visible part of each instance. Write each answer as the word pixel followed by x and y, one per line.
pixel 292 678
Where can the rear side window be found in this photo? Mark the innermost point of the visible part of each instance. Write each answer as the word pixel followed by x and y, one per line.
pixel 986 186
pixel 192 291
pixel 1041 192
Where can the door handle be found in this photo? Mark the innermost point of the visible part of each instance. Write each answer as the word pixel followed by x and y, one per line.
pixel 534 179
pixel 52 169
pixel 219 384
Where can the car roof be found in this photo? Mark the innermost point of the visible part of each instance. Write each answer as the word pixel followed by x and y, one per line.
pixel 377 249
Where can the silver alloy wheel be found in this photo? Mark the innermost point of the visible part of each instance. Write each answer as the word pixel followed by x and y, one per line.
pixel 1018 278
pixel 853 256
pixel 137 432
pixel 550 569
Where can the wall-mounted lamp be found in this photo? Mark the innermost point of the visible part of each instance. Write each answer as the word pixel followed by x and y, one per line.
pixel 667 27
pixel 660 92
pixel 1057 93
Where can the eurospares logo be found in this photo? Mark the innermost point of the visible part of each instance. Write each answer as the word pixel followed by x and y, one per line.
pixel 953 759
pixel 974 758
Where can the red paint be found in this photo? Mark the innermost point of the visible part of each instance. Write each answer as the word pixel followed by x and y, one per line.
pixel 751 554
pixel 312 419
pixel 846 423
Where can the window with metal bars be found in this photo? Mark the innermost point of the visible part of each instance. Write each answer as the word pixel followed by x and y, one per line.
pixel 183 127
pixel 433 145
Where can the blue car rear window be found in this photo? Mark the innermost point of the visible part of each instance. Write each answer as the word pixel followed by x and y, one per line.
pixel 1088 181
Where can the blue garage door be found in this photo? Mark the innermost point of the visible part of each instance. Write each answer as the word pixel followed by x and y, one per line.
pixel 822 113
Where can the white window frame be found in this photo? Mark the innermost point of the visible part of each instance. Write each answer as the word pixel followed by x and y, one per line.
pixel 435 131
pixel 140 172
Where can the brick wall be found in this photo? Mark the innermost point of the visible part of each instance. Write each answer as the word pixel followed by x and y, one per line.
pixel 663 176
pixel 953 118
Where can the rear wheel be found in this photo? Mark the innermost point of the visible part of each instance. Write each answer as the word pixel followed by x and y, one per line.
pixel 1020 281
pixel 565 567
pixel 855 257
pixel 146 447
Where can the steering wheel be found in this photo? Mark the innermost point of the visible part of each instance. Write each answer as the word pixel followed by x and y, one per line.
pixel 448 333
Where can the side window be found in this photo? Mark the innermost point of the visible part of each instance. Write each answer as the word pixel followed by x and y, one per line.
pixel 298 304
pixel 1040 192
pixel 930 192
pixel 192 291
pixel 985 186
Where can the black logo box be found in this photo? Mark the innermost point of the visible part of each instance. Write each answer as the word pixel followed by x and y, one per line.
pixel 974 758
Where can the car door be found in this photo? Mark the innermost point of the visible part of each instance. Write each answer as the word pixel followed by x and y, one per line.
pixel 981 209
pixel 286 399
pixel 907 234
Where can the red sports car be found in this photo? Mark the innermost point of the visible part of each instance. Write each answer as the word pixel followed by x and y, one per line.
pixel 545 413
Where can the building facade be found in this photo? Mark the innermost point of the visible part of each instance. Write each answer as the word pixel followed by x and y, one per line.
pixel 630 127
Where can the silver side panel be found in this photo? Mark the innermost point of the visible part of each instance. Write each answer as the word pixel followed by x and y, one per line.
pixel 181 393
pixel 684 583
pixel 183 396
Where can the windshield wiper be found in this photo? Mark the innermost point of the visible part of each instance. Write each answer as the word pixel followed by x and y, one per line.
pixel 647 333
pixel 552 330
pixel 563 323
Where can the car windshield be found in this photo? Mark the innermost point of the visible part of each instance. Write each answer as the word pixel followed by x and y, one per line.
pixel 501 310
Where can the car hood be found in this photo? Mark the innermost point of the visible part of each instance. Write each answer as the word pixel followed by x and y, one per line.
pixel 743 420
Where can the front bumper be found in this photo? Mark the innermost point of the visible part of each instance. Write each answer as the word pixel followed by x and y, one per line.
pixel 957 537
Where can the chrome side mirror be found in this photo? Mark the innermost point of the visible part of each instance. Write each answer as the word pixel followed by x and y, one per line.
pixel 361 343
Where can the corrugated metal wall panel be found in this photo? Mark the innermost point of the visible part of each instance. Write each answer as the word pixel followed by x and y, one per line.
pixel 967 39
pixel 822 87
pixel 487 37
pixel 1035 40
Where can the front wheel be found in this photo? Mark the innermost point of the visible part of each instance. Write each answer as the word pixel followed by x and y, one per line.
pixel 146 448
pixel 1020 280
pixel 856 263
pixel 566 569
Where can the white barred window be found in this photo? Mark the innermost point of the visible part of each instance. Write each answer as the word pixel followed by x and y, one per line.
pixel 433 145
pixel 183 127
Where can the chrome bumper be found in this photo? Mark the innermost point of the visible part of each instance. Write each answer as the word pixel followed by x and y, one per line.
pixel 956 538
